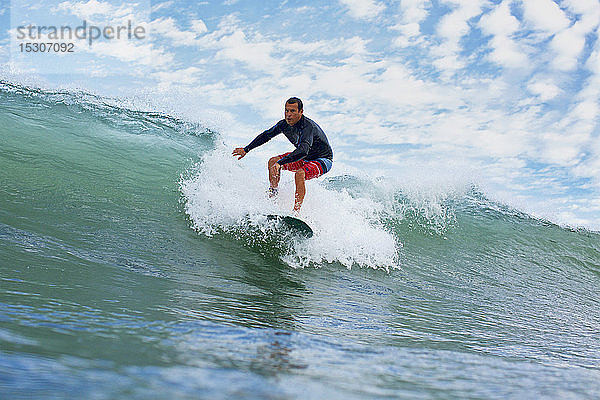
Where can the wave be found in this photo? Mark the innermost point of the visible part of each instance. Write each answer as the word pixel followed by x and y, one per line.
pixel 358 221
pixel 114 156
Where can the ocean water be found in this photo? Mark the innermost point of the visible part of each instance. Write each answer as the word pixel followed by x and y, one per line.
pixel 136 262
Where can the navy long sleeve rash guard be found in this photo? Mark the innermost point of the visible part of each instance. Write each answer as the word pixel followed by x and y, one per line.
pixel 308 138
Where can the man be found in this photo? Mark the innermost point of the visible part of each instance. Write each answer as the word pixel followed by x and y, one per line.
pixel 313 156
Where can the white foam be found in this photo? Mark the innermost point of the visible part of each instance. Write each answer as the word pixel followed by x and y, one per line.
pixel 224 194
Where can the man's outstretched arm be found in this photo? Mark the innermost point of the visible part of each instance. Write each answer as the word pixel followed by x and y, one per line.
pixel 263 137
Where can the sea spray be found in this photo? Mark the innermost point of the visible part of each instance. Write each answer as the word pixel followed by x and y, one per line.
pixel 221 195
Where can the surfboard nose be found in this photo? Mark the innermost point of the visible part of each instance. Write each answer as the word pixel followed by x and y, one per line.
pixel 294 225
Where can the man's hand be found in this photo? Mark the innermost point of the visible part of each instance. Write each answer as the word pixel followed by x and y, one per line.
pixel 239 152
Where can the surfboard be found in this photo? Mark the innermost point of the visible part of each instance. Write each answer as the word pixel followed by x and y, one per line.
pixel 294 225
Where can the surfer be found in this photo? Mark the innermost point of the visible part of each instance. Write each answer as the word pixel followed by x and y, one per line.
pixel 312 157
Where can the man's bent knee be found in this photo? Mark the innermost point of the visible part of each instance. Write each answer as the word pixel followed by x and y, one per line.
pixel 273 160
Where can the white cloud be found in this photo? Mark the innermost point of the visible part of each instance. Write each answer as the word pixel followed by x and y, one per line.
pixel 593 62
pixel 303 9
pixel 257 55
pixel 587 110
pixel 584 114
pixel 159 6
pixel 568 45
pixel 199 26
pixel 412 13
pixel 354 45
pixel 451 30
pixel 588 13
pixel 87 10
pixel 94 11
pixel 168 27
pixel 185 76
pixel 4 50
pixel 590 168
pixel 363 9
pixel 545 90
pixel 414 10
pixel 545 16
pixel 507 53
pixel 583 6
pixel 131 52
pixel 499 21
pixel 502 25
pixel 273 57
pixel 454 25
pixel 562 148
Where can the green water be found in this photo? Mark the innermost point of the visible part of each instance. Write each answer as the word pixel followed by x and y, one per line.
pixel 107 291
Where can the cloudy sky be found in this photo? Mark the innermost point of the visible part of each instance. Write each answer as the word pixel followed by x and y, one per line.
pixel 506 92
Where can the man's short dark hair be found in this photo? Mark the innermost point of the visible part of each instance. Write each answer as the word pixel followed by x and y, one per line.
pixel 295 100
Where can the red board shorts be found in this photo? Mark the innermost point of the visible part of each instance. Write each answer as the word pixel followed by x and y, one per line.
pixel 312 169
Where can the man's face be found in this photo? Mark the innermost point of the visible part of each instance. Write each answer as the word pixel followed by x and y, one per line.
pixel 292 115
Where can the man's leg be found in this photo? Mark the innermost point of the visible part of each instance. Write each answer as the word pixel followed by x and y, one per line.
pixel 300 189
pixel 273 176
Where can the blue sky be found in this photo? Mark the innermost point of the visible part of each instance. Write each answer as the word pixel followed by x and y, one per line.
pixel 506 93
